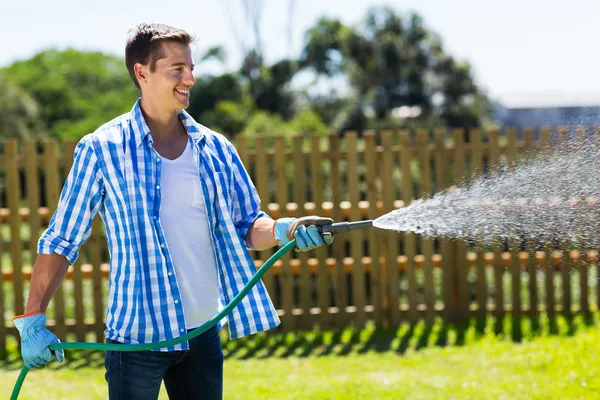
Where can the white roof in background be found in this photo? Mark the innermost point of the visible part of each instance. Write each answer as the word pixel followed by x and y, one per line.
pixel 548 100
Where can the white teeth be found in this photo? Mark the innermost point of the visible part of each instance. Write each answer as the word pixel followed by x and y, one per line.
pixel 183 91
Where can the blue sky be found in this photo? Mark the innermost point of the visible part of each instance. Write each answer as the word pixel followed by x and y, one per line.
pixel 543 48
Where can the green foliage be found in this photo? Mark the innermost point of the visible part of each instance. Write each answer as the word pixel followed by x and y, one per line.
pixel 264 123
pixel 19 112
pixel 77 91
pixel 268 86
pixel 228 117
pixel 210 90
pixel 307 122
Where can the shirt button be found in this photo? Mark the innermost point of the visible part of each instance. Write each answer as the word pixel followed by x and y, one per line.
pixel 158 186
pixel 158 160
pixel 162 245
pixel 170 273
pixel 176 301
pixel 182 330
pixel 156 217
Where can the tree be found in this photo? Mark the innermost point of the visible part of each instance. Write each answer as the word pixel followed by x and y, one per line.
pixel 210 90
pixel 19 113
pixel 229 117
pixel 76 91
pixel 390 63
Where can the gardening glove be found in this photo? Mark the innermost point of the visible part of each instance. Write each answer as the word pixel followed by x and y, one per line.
pixel 35 339
pixel 305 230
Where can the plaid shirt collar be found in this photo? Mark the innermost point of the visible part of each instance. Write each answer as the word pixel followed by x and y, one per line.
pixel 141 129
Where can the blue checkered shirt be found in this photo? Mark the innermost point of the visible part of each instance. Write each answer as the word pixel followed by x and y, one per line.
pixel 116 172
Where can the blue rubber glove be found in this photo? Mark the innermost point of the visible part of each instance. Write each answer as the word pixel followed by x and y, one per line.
pixel 307 238
pixel 35 339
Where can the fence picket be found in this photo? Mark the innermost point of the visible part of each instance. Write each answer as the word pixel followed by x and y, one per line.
pixel 460 247
pixel 356 237
pixel 32 185
pixel 53 185
pixel 494 161
pixel 477 173
pixel 337 247
pixel 376 282
pixel 305 281
pixel 281 193
pixel 511 154
pixel 427 244
pixel 409 238
pixel 316 182
pixel 445 245
pixel 391 238
pixel 16 242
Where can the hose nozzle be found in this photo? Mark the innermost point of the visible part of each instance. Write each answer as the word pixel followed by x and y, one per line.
pixel 326 225
pixel 340 227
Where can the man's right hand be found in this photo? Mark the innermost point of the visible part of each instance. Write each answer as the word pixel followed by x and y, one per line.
pixel 35 339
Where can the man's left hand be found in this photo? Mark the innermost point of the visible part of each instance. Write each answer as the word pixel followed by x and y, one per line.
pixel 305 231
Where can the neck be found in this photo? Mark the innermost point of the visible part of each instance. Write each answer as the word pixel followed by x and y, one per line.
pixel 164 124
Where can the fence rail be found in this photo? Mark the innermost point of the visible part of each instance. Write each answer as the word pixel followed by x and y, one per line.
pixel 383 276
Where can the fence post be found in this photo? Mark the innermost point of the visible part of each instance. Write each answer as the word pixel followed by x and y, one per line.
pixel 532 263
pixel 356 237
pixel 377 282
pixel 514 263
pixel 305 280
pixel 391 237
pixel 337 247
pixel 581 266
pixel 409 238
pixel 285 275
pixel 323 277
pixel 14 199
pixel 493 164
pixel 441 182
pixel 425 177
pixel 460 248
pixel 477 173
pixel 33 193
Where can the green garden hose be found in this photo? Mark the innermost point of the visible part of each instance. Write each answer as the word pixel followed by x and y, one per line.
pixel 171 342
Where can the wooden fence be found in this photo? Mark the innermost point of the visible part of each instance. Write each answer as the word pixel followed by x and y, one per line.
pixel 376 275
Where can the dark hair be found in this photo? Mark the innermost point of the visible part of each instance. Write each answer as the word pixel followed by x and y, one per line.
pixel 145 45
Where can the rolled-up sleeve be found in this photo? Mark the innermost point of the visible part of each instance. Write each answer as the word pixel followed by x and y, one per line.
pixel 80 200
pixel 246 207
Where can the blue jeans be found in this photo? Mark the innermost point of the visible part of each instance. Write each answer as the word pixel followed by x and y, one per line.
pixel 193 374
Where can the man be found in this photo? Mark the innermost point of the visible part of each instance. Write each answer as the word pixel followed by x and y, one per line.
pixel 180 213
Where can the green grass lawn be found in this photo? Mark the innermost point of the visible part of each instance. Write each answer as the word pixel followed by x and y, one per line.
pixel 559 361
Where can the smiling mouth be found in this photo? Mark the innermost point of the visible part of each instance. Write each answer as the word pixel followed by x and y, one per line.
pixel 183 92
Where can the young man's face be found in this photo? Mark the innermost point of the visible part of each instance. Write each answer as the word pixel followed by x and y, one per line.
pixel 171 82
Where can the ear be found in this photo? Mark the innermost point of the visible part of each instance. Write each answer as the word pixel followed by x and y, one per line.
pixel 140 72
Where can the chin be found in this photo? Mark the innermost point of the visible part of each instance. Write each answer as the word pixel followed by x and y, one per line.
pixel 179 106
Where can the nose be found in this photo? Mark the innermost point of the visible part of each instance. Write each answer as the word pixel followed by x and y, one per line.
pixel 189 78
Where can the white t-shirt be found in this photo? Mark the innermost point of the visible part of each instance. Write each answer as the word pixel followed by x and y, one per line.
pixel 185 225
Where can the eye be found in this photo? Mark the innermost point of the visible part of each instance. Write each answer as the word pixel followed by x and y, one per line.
pixel 179 69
